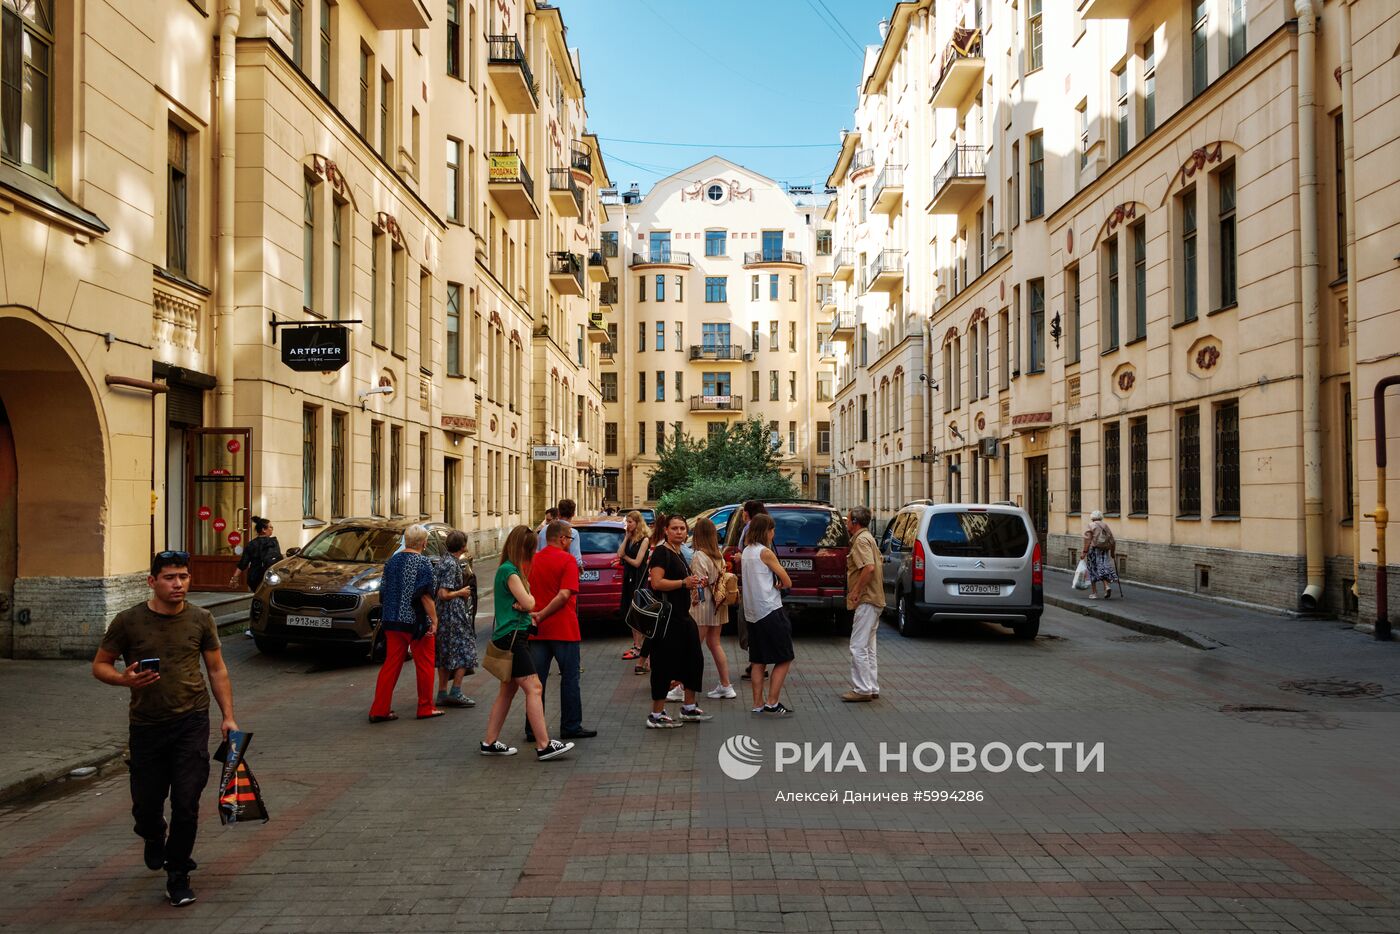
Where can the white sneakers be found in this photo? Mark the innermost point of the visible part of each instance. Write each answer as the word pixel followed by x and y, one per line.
pixel 722 692
pixel 677 694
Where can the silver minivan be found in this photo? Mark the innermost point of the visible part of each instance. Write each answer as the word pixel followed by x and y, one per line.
pixel 954 561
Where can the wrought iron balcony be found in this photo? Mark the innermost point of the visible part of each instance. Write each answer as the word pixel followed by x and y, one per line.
pixel 962 177
pixel 597 267
pixel 511 185
pixel 888 191
pixel 566 273
pixel 665 257
pixel 707 352
pixel 961 70
pixel 773 257
pixel 581 159
pixel 843 265
pixel 564 193
pixel 886 271
pixel 843 326
pixel 507 67
pixel 863 159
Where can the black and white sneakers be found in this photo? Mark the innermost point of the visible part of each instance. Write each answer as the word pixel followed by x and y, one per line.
pixel 554 750
pixel 177 887
pixel 497 748
pixel 155 854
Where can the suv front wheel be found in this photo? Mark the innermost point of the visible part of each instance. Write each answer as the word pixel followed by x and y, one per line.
pixel 903 618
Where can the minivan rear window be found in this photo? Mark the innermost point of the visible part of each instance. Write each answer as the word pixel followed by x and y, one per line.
pixel 978 534
pixel 603 541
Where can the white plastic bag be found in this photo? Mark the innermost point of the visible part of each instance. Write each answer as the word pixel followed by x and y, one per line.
pixel 1081 575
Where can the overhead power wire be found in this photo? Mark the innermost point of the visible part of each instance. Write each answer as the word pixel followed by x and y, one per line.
pixel 844 39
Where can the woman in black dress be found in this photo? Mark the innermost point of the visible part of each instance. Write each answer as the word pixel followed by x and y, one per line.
pixel 675 655
pixel 258 555
pixel 632 558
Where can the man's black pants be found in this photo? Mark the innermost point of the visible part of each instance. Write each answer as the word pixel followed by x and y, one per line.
pixel 170 759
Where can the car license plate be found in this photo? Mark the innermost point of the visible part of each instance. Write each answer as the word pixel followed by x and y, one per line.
pixel 315 622
pixel 588 575
pixel 796 564
pixel 979 589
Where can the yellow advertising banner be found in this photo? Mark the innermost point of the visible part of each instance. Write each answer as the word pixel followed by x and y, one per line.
pixel 504 167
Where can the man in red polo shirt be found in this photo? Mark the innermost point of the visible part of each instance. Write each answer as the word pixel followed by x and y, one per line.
pixel 554 585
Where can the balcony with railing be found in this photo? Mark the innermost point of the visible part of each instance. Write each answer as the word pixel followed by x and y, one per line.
pixel 843 326
pixel 863 160
pixel 708 353
pixel 843 265
pixel 962 179
pixel 826 353
pixel 719 405
pixel 581 162
pixel 772 257
pixel 886 272
pixel 661 257
pixel 512 187
pixel 564 193
pixel 826 299
pixel 888 192
pixel 961 70
pixel 510 72
pixel 597 267
pixel 597 328
pixel 566 273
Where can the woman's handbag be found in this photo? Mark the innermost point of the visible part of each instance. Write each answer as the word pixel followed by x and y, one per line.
pixel 500 662
pixel 649 614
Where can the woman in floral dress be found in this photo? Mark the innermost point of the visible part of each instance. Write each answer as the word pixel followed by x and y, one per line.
pixel 456 635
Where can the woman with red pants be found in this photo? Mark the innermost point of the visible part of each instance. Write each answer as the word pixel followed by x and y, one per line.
pixel 406 598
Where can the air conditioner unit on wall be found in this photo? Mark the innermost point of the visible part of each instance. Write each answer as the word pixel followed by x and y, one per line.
pixel 988 447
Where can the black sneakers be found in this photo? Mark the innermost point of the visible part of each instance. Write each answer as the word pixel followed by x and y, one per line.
pixel 554 750
pixel 776 710
pixel 177 886
pixel 155 854
pixel 497 748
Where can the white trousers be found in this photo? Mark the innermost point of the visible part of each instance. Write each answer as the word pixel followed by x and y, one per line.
pixel 864 667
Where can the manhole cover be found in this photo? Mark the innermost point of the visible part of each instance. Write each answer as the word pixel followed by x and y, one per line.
pixel 1142 637
pixel 1334 688
pixel 1291 718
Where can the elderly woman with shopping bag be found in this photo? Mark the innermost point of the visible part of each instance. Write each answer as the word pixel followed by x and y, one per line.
pixel 1099 553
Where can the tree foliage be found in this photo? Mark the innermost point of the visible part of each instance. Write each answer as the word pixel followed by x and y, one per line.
pixel 738 462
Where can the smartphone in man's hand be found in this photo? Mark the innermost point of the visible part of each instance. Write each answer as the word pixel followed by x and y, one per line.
pixel 149 664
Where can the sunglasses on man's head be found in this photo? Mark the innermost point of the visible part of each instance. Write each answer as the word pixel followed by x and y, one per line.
pixel 166 559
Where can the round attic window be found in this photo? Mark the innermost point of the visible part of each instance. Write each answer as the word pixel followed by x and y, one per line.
pixel 715 192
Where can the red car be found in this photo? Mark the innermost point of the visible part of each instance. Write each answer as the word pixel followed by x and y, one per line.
pixel 811 542
pixel 600 583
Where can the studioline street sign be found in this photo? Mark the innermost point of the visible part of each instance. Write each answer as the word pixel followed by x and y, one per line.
pixel 320 348
pixel 544 452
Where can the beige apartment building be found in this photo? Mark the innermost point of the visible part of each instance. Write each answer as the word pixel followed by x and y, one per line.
pixel 185 182
pixel 1121 235
pixel 715 281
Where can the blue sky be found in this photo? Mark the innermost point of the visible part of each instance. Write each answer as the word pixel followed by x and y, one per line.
pixel 752 72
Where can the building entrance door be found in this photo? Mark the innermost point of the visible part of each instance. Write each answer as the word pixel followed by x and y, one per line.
pixel 217 464
pixel 1038 494
pixel 9 527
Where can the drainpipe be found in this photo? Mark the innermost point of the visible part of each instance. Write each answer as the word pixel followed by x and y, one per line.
pixel 223 276
pixel 1311 597
pixel 1349 170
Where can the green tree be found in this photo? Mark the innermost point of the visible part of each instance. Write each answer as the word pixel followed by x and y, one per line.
pixel 738 462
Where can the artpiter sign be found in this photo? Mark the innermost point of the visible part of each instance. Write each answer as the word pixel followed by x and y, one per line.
pixel 321 348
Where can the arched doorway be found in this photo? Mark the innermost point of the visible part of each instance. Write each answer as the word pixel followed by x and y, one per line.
pixel 53 478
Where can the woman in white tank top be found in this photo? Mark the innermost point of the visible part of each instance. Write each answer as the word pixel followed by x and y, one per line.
pixel 770 631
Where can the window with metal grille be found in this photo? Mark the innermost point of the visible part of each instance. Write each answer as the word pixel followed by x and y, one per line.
pixel 454 329
pixel 1188 466
pixel 1112 469
pixel 1076 477
pixel 660 437
pixel 1137 466
pixel 340 436
pixel 1227 459
pixel 308 462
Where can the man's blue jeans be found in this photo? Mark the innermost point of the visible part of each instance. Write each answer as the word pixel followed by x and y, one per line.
pixel 570 701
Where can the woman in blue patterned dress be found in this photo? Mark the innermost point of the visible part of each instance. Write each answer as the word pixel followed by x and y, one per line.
pixel 456 635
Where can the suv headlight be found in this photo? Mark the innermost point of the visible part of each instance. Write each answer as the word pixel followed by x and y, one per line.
pixel 273 578
pixel 368 585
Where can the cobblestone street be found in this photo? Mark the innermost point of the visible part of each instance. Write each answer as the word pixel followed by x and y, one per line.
pixel 402 826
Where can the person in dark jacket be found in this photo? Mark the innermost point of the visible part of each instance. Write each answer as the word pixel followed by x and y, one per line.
pixel 407 598
pixel 258 555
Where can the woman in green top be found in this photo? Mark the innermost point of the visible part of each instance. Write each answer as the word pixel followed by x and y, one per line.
pixel 512 634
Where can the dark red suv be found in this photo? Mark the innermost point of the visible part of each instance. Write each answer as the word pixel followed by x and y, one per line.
pixel 811 542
